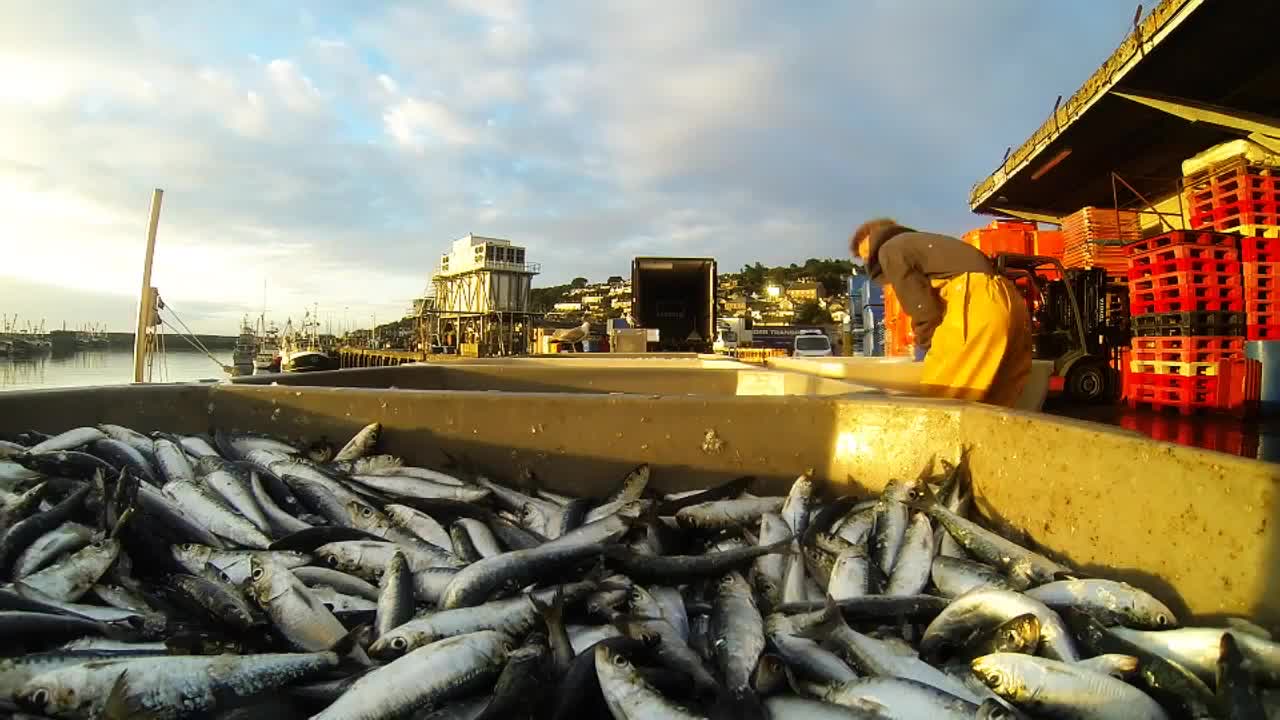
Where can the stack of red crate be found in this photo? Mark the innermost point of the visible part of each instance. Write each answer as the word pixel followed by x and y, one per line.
pixel 1186 300
pixel 1261 265
pixel 1095 237
pixel 1235 196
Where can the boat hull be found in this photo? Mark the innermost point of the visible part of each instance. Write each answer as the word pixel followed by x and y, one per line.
pixel 307 361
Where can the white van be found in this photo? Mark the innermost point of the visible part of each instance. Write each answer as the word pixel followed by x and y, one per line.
pixel 812 343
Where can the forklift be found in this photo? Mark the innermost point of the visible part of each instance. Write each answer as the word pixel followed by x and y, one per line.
pixel 1075 322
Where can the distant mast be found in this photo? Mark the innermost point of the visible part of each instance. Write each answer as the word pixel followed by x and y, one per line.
pixel 147 297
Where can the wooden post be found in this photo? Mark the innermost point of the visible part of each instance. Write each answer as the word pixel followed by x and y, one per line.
pixel 146 306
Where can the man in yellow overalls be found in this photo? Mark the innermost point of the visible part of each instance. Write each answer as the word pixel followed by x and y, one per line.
pixel 972 323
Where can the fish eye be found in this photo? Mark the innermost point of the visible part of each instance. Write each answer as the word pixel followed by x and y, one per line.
pixel 40 697
pixel 399 643
pixel 620 661
pixel 366 511
pixel 331 560
pixel 256 574
pixel 1162 619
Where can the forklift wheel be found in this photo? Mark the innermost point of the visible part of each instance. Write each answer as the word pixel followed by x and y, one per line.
pixel 1086 382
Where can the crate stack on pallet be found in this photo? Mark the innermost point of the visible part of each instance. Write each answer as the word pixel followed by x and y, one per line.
pixel 1242 196
pixel 1261 265
pixel 1238 196
pixel 1096 237
pixel 1186 301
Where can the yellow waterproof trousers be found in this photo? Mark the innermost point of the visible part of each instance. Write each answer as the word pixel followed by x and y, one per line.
pixel 982 349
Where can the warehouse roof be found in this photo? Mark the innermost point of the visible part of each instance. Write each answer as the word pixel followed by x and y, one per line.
pixel 1190 52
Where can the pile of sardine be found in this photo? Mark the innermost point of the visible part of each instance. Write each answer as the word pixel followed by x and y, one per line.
pixel 238 575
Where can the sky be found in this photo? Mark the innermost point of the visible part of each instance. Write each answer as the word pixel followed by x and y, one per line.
pixel 330 151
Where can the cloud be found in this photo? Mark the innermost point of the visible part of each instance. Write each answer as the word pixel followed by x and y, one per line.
pixel 415 124
pixel 336 152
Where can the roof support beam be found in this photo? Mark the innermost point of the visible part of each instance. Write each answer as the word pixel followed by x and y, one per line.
pixel 1029 215
pixel 1268 128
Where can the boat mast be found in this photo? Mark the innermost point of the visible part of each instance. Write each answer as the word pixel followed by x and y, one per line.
pixel 146 299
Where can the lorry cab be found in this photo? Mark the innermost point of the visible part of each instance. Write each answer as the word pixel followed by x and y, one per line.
pixel 812 343
pixel 726 340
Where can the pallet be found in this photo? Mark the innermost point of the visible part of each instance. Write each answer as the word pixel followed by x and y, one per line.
pixel 1184 265
pixel 1230 176
pixel 1206 201
pixel 1236 389
pixel 1262 332
pixel 1184 298
pixel 1187 281
pixel 1189 324
pixel 1262 231
pixel 1181 237
pixel 1173 368
pixel 1259 270
pixel 1226 218
pixel 1260 249
pixel 1193 349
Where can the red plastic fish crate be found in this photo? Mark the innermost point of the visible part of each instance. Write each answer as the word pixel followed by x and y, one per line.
pixel 1186 280
pixel 1186 298
pixel 1260 249
pixel 1184 264
pixel 1181 237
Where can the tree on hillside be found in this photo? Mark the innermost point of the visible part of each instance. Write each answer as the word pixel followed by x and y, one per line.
pixel 751 279
pixel 811 313
pixel 543 299
pixel 579 282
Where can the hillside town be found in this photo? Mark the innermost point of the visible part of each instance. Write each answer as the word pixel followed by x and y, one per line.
pixel 816 293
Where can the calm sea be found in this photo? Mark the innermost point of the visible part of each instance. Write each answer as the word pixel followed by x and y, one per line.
pixel 105 367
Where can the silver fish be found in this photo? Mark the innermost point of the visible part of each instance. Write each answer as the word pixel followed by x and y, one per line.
pixel 234 563
pixel 294 610
pixel 1109 601
pixel 429 675
pixel 738 630
pixel 915 559
pixel 361 444
pixel 68 440
pixel 173 462
pixel 165 687
pixel 1198 649
pixel 984 608
pixel 396 596
pixel 627 694
pixel 1059 689
pixel 66 538
pixel 420 524
pixel 956 576
pixel 72 577
pixel 218 518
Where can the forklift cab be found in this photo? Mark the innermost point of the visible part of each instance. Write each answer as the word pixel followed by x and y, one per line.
pixel 1057 326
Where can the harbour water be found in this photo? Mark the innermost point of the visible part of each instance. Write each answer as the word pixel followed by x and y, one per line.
pixel 105 367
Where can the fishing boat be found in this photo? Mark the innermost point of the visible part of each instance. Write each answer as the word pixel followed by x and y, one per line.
pixel 246 350
pixel 268 357
pixel 303 350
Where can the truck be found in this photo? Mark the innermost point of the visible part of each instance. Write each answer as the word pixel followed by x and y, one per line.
pixel 732 333
pixel 677 298
pixel 784 336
